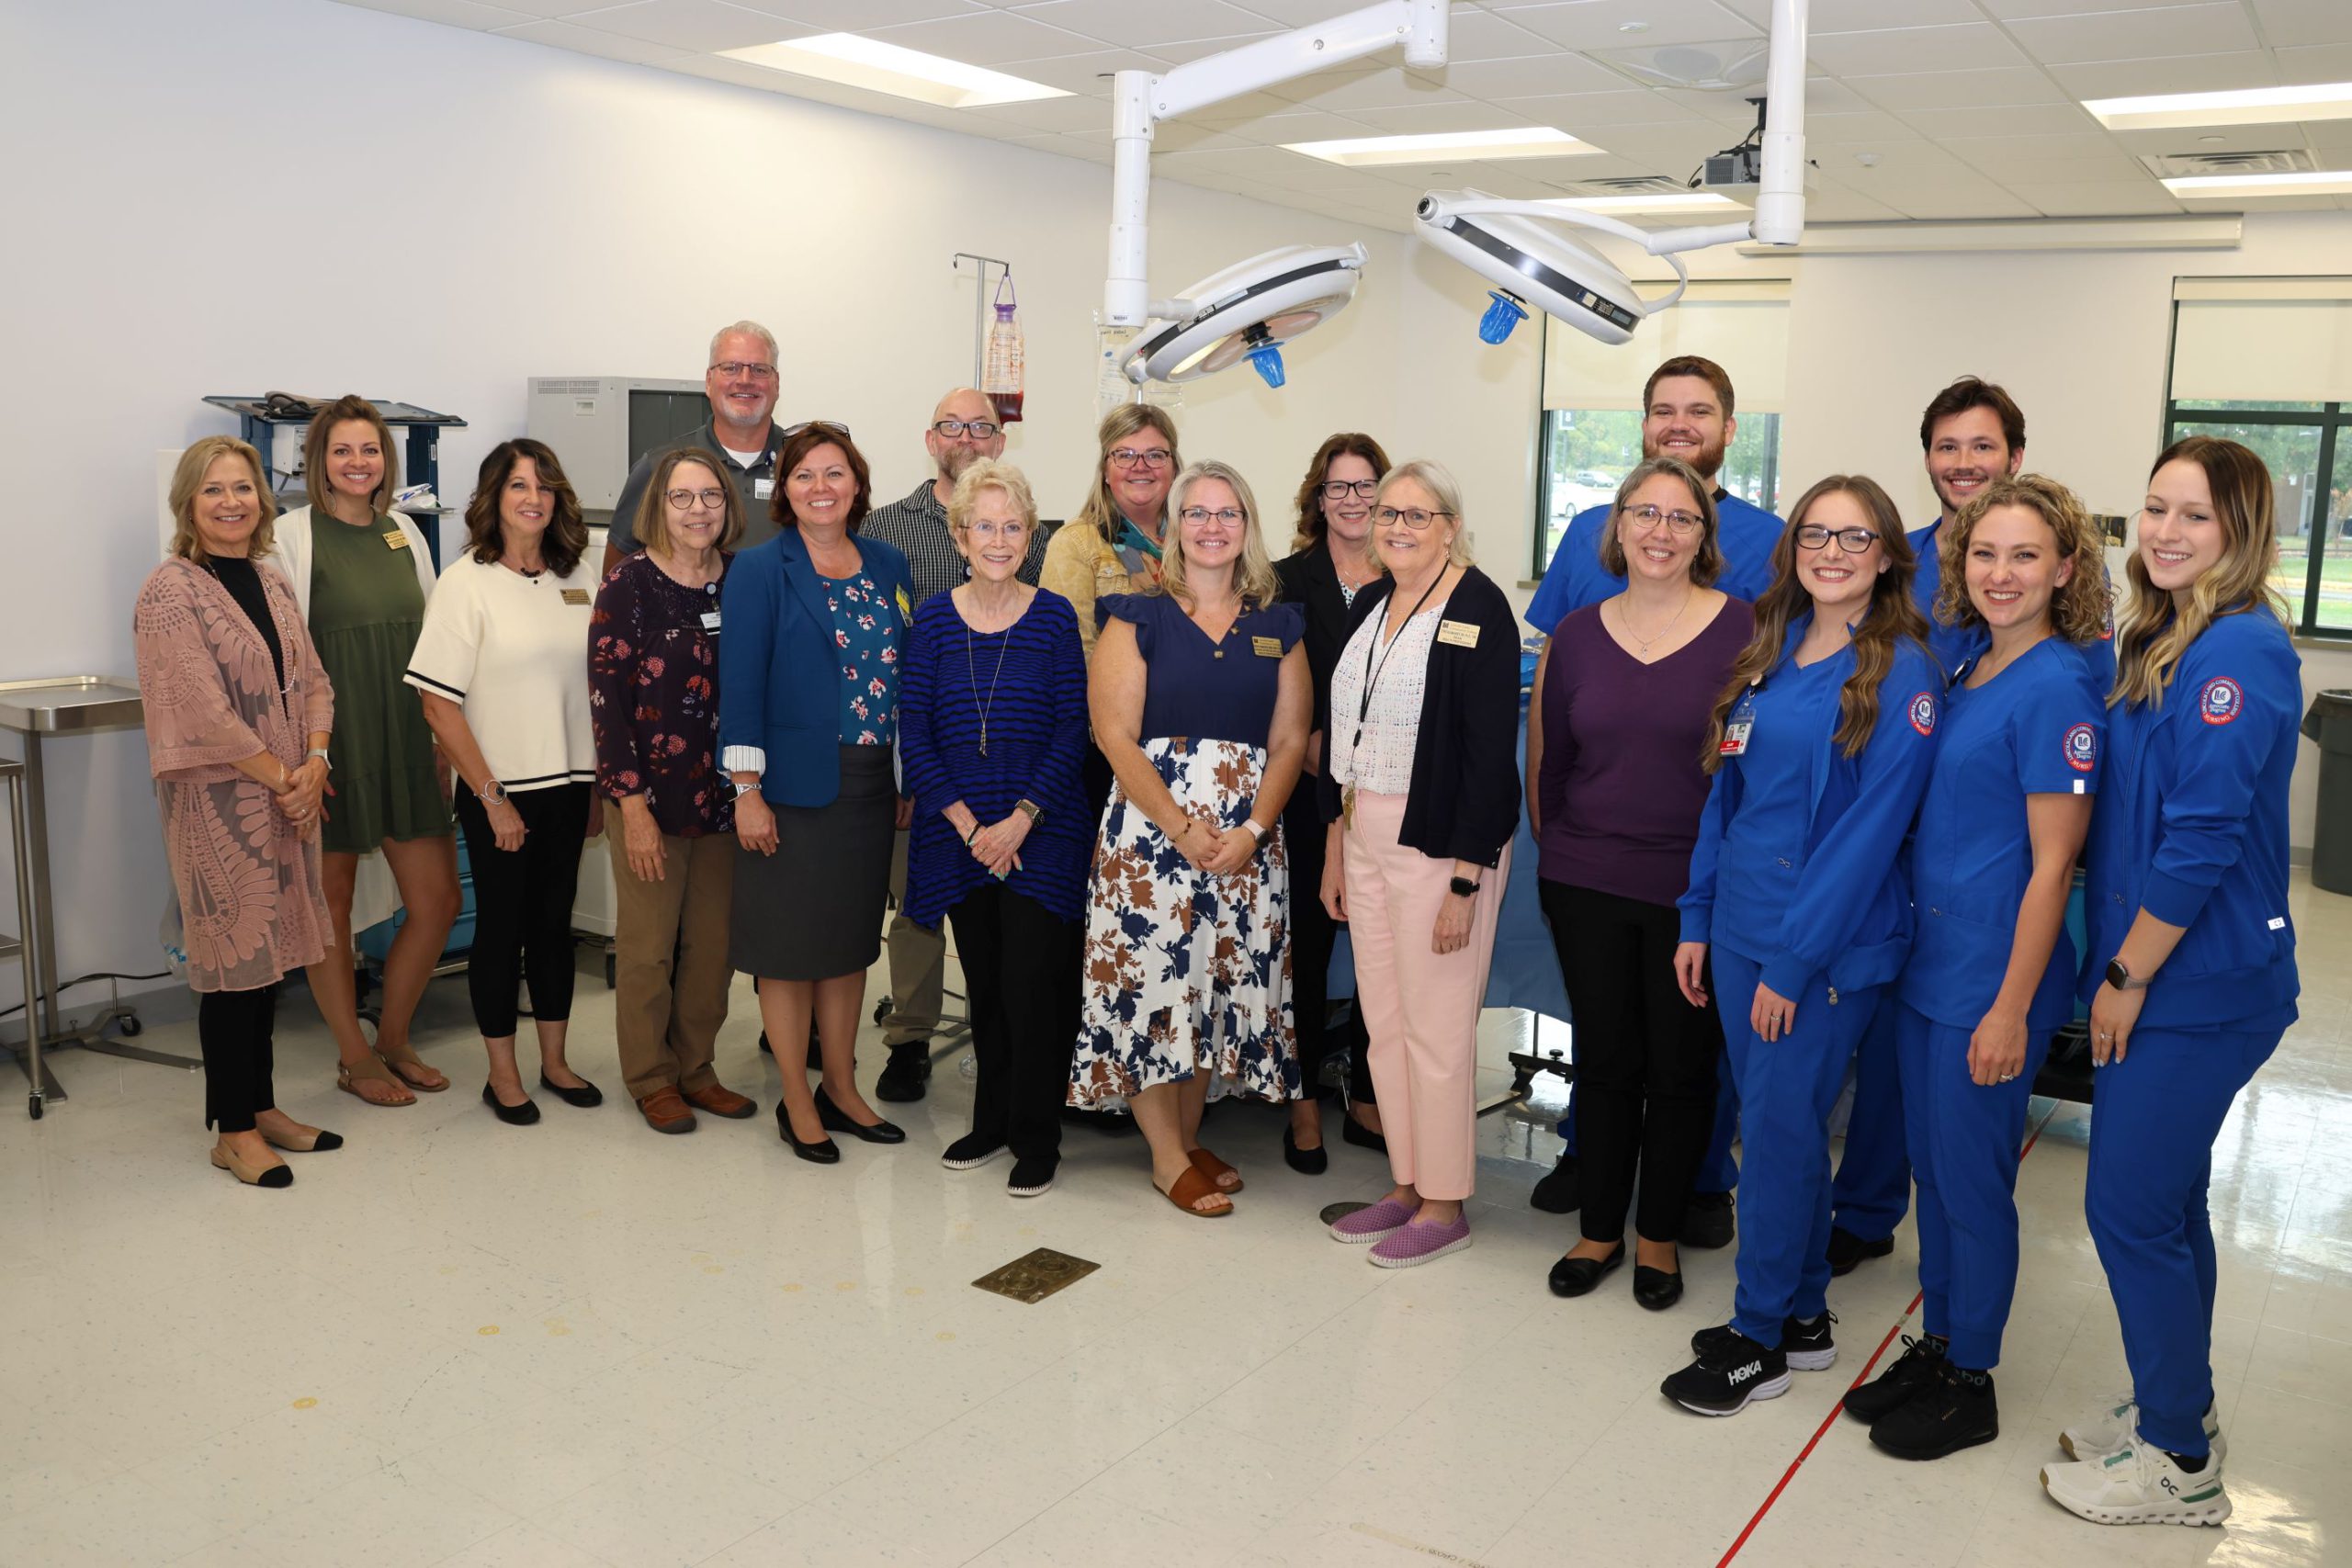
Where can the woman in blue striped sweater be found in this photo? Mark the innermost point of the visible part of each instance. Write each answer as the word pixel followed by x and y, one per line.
pixel 991 729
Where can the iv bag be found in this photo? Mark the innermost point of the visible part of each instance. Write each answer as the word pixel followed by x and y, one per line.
pixel 1002 378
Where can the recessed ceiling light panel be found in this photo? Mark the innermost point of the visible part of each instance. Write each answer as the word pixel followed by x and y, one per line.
pixel 2239 188
pixel 1373 151
pixel 2246 106
pixel 858 62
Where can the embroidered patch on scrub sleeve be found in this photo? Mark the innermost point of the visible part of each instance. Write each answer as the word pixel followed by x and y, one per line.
pixel 1923 713
pixel 2082 748
pixel 2220 701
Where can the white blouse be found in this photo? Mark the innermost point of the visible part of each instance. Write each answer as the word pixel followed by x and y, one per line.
pixel 1378 755
pixel 513 650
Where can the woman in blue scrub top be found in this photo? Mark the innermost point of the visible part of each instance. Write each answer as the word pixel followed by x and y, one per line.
pixel 2192 973
pixel 1992 971
pixel 1820 747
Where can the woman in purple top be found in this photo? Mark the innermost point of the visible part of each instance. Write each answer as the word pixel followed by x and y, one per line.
pixel 1627 687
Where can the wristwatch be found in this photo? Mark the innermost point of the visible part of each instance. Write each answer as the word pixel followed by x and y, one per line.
pixel 743 789
pixel 2121 978
pixel 1256 831
pixel 1463 887
pixel 1030 808
pixel 321 754
pixel 491 794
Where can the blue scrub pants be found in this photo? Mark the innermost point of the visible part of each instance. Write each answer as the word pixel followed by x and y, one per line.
pixel 1719 1170
pixel 1787 1090
pixel 1964 1139
pixel 2154 1117
pixel 1873 1184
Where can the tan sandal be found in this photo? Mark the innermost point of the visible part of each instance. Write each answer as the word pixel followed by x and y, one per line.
pixel 1189 1189
pixel 348 1075
pixel 399 1056
pixel 1216 1169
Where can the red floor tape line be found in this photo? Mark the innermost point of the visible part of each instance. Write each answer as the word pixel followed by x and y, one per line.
pixel 1835 1410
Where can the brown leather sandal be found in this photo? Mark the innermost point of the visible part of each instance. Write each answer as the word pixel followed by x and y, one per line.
pixel 1216 1169
pixel 370 1068
pixel 1189 1189
pixel 399 1056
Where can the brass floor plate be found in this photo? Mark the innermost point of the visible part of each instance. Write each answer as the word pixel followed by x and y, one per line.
pixel 1034 1276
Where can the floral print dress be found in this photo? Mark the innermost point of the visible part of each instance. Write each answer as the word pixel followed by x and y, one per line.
pixel 865 634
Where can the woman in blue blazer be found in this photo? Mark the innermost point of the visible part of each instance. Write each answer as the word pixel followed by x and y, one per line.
pixel 1820 748
pixel 809 725
pixel 2191 979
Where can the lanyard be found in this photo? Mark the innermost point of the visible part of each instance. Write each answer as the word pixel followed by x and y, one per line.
pixel 1373 665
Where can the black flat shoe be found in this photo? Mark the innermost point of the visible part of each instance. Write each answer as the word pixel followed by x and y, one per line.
pixel 906 1076
pixel 1655 1288
pixel 1577 1276
pixel 1708 1221
pixel 1558 1193
pixel 836 1120
pixel 824 1151
pixel 1306 1162
pixel 520 1115
pixel 587 1096
pixel 1361 1137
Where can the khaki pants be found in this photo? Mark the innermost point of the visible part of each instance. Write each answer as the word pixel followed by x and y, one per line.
pixel 918 955
pixel 670 960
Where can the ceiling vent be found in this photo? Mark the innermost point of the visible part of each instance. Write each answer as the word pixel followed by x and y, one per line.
pixel 2178 165
pixel 1699 67
pixel 1623 184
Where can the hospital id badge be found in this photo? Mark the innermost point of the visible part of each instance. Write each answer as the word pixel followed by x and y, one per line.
pixel 1735 741
pixel 762 490
pixel 710 620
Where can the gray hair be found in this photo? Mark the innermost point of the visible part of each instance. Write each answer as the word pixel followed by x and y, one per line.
pixel 1438 480
pixel 744 329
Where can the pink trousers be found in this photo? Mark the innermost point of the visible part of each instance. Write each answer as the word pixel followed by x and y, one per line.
pixel 1419 1007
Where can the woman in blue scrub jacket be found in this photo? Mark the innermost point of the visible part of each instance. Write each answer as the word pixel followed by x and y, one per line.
pixel 1992 971
pixel 2191 978
pixel 1820 747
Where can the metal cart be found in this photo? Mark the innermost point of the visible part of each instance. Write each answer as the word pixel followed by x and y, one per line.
pixel 257 422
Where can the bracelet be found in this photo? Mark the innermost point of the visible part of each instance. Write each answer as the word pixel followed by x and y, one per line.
pixel 1256 831
pixel 970 836
pixel 321 754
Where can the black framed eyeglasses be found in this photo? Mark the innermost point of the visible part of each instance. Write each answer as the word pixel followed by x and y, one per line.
pixel 1413 517
pixel 978 429
pixel 1854 541
pixel 757 370
pixel 1137 457
pixel 1339 489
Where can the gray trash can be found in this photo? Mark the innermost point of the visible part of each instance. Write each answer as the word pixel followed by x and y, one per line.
pixel 2329 722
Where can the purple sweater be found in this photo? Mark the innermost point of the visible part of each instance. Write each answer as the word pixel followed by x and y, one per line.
pixel 1620 789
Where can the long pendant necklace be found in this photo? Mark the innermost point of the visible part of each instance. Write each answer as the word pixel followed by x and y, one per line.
pixel 1626 616
pixel 972 672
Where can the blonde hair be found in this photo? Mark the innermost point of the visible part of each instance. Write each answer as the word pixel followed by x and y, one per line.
pixel 1101 513
pixel 2079 606
pixel 2157 630
pixel 985 474
pixel 1708 563
pixel 1436 478
pixel 1254 577
pixel 349 409
pixel 653 523
pixel 188 477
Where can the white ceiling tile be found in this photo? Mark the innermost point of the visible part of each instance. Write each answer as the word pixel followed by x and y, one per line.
pixel 1828 95
pixel 2097 200
pixel 1068 114
pixel 588 40
pixel 2014 119
pixel 1673 150
pixel 1956 89
pixel 1544 72
pixel 1473 34
pixel 1835 204
pixel 1886 50
pixel 1866 128
pixel 2113 169
pixel 1731 110
pixel 1859 15
pixel 987 38
pixel 1128 24
pixel 698 25
pixel 2009 10
pixel 840 16
pixel 453 13
pixel 2327 135
pixel 1579 112
pixel 2287 24
pixel 1311 125
pixel 1997 147
pixel 2137 35
pixel 1601 24
pixel 1348 92
pixel 1089 74
pixel 1981 199
pixel 2182 73
pixel 2317 62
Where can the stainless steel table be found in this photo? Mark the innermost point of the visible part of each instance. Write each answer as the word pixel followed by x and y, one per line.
pixel 18 947
pixel 73 705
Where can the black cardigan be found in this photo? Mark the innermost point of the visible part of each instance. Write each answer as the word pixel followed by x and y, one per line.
pixel 1463 802
pixel 1310 580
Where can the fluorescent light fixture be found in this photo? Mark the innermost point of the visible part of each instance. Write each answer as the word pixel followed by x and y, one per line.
pixel 2302 182
pixel 2220 231
pixel 2248 106
pixel 1374 151
pixel 858 62
pixel 1658 201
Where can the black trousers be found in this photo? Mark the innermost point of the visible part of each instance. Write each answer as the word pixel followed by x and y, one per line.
pixel 1021 976
pixel 235 1031
pixel 1313 933
pixel 522 905
pixel 1645 1060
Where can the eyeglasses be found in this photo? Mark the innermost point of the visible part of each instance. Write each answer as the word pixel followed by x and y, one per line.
pixel 687 500
pixel 1339 489
pixel 1229 515
pixel 1854 541
pixel 978 429
pixel 753 368
pixel 1129 458
pixel 1650 517
pixel 1412 516
pixel 1007 531
pixel 834 426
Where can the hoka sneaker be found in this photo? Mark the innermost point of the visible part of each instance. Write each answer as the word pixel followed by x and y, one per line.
pixel 2138 1484
pixel 1807 1346
pixel 1732 1370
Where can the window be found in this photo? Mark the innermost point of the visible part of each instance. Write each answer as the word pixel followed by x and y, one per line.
pixel 1592 423
pixel 2268 362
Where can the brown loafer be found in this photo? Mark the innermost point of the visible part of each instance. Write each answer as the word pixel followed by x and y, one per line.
pixel 664 1112
pixel 720 1101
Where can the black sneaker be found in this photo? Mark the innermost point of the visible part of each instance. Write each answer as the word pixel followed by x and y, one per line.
pixel 907 1076
pixel 1956 1411
pixel 1559 1192
pixel 1808 1346
pixel 1707 1221
pixel 971 1151
pixel 1030 1177
pixel 1847 1250
pixel 1916 1369
pixel 1733 1371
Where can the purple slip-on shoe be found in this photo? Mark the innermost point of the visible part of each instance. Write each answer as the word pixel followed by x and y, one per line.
pixel 1371 1224
pixel 1409 1245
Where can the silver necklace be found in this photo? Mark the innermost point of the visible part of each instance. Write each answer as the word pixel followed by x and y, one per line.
pixel 972 672
pixel 1626 615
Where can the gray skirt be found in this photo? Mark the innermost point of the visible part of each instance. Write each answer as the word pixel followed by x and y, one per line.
pixel 813 910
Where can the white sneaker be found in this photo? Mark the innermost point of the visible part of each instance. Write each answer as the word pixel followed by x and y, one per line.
pixel 2110 1431
pixel 2138 1484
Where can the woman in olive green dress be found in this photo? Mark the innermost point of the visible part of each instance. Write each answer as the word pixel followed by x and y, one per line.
pixel 362 575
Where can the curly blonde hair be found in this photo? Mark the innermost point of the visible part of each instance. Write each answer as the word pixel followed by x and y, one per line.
pixel 2078 608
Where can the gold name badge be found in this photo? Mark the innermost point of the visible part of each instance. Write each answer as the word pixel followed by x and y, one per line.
pixel 575 595
pixel 396 540
pixel 1267 647
pixel 1461 633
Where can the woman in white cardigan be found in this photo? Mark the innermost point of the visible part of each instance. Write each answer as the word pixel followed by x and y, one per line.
pixel 362 574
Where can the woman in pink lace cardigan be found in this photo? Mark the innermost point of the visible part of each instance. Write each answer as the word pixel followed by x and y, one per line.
pixel 238 712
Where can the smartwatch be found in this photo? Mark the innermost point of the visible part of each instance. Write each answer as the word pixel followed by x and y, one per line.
pixel 491 794
pixel 1256 831
pixel 321 754
pixel 1463 887
pixel 2121 978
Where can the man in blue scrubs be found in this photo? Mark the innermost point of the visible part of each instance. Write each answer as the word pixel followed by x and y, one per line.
pixel 1687 412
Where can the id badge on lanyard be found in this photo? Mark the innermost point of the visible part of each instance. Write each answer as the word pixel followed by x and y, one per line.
pixel 1739 727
